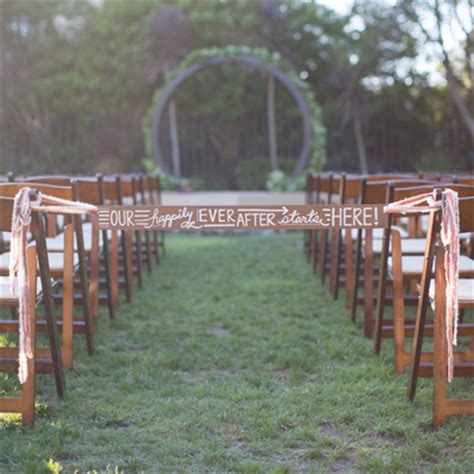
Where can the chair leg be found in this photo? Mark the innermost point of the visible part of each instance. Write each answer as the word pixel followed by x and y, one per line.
pixel 381 293
pixel 349 263
pixel 314 250
pixel 162 242
pixel 108 275
pixel 138 257
pixel 148 251
pixel 355 276
pixel 156 246
pixel 439 349
pixel 368 285
pixel 84 288
pixel 28 394
pixel 422 310
pixel 398 306
pixel 50 312
pixel 114 273
pixel 307 244
pixel 29 387
pixel 322 256
pixel 126 250
pixel 68 298
pixel 337 264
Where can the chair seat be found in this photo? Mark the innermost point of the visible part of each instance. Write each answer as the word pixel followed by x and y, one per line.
pixel 55 259
pixel 128 201
pixel 465 292
pixel 87 230
pixel 376 233
pixel 412 265
pixel 7 236
pixel 6 295
pixel 409 246
pixel 56 244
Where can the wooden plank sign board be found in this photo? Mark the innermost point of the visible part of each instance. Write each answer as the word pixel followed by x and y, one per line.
pixel 188 218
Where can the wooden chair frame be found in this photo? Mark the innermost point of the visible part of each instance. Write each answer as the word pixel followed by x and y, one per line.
pixel 399 279
pixel 88 325
pixel 423 364
pixel 25 404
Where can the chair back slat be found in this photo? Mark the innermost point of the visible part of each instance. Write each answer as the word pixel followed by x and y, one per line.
pixel 111 192
pixel 6 211
pixel 87 190
pixel 466 214
pixel 469 179
pixel 11 189
pixel 403 193
pixel 127 186
pixel 379 192
pixel 52 180
pixel 311 182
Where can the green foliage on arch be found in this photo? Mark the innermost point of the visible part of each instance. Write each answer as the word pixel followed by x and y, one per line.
pixel 318 151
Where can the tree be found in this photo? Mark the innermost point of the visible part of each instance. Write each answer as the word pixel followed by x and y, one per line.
pixel 439 21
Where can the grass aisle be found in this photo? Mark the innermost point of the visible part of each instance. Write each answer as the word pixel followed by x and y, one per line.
pixel 233 359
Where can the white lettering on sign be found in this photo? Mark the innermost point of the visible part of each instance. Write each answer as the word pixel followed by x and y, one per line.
pixel 121 218
pixel 241 217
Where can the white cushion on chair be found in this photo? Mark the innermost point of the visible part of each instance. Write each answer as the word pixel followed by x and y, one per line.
pixel 87 231
pixel 413 265
pixel 465 291
pixel 6 293
pixel 55 259
pixel 409 246
pixel 128 201
pixel 376 233
pixel 56 244
pixel 7 236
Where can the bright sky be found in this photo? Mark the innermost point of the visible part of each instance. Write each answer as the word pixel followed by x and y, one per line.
pixel 340 6
pixel 425 62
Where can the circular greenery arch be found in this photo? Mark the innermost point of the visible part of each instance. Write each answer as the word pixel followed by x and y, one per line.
pixel 314 133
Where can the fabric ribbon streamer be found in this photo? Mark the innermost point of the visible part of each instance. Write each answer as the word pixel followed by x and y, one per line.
pixel 449 207
pixel 26 201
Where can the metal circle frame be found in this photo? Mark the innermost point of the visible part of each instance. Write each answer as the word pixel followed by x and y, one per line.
pixel 192 70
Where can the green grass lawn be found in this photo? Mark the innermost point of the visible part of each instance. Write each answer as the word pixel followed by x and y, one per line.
pixel 233 358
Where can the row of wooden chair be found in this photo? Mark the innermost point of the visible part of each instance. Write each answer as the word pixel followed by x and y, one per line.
pixel 395 267
pixel 72 267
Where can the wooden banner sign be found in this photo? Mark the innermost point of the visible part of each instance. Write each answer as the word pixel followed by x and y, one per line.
pixel 303 217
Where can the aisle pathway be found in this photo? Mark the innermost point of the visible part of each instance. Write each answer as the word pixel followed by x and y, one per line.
pixel 233 359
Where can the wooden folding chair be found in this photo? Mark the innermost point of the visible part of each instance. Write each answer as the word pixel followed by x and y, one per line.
pixel 426 364
pixel 50 359
pixel 406 272
pixel 376 192
pixel 25 403
pixel 353 239
pixel 87 249
pixel 128 195
pixel 435 364
pixel 442 405
pixel 91 191
pixel 63 264
pixel 412 246
pixel 112 195
pixel 342 251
